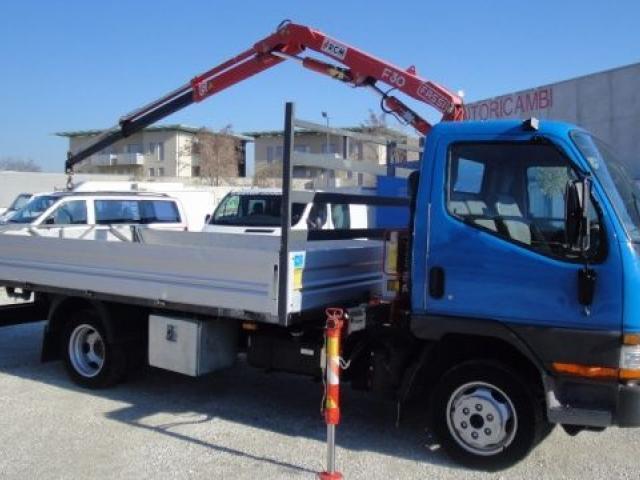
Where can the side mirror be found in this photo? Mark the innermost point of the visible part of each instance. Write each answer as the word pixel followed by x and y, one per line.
pixel 577 228
pixel 207 219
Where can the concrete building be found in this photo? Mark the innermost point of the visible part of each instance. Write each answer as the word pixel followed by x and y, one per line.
pixel 161 151
pixel 605 103
pixel 268 146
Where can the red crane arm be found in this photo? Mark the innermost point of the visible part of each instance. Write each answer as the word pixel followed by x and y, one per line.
pixel 362 69
pixel 288 42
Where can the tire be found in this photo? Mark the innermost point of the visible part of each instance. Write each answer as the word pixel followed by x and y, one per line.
pixel 485 416
pixel 89 358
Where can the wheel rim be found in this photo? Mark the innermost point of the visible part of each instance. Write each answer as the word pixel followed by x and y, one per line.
pixel 481 418
pixel 86 350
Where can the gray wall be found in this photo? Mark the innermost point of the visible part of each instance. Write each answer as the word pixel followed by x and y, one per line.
pixel 13 183
pixel 605 103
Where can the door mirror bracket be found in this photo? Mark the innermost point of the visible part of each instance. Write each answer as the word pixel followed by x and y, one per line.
pixel 578 235
pixel 577 228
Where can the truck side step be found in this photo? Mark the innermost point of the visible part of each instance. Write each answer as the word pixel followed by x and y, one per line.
pixel 579 416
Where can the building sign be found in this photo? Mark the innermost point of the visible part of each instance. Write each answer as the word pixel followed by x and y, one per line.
pixel 511 106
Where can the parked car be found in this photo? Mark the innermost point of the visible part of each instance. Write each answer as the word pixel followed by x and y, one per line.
pixel 19 202
pixel 257 211
pixel 102 208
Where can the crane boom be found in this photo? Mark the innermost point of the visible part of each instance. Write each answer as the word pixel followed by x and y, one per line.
pixel 288 42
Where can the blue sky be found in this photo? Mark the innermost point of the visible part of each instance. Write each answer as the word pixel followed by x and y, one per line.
pixel 70 65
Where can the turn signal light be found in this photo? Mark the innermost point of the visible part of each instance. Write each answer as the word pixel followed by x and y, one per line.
pixel 631 339
pixel 626 374
pixel 585 370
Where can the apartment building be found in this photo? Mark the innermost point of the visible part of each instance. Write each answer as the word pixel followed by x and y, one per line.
pixel 164 151
pixel 269 147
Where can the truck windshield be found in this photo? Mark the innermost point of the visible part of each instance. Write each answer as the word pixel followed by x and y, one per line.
pixel 616 179
pixel 33 209
pixel 260 210
pixel 20 201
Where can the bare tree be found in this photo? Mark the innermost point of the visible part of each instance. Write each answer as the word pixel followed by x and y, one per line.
pixel 217 154
pixel 268 175
pixel 375 122
pixel 19 164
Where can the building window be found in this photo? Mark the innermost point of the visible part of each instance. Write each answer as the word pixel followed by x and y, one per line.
pixel 156 151
pixel 302 148
pixel 152 172
pixel 274 153
pixel 161 172
pixel 330 148
pixel 195 171
pixel 134 148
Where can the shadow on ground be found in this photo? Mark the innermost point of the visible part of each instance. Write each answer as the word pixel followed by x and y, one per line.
pixel 276 402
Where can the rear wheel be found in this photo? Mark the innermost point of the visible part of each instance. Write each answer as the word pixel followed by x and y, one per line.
pixel 485 416
pixel 90 359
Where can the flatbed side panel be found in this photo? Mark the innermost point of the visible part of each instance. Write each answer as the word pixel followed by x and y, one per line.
pixel 330 273
pixel 214 276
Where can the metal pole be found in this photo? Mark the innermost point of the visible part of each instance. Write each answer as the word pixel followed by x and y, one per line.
pixel 331 448
pixel 326 174
pixel 335 321
pixel 328 141
pixel 285 226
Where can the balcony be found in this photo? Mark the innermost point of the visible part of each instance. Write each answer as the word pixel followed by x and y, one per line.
pixel 116 159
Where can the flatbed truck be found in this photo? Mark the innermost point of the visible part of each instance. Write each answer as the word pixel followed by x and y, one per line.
pixel 509 299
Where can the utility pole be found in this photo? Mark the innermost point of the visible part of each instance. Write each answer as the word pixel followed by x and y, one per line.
pixel 325 115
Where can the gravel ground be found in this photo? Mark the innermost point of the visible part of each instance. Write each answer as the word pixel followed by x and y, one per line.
pixel 237 424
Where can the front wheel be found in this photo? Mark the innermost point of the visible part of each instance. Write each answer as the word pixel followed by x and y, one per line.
pixel 89 358
pixel 485 415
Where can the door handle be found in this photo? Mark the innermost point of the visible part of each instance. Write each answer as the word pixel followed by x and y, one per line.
pixel 436 282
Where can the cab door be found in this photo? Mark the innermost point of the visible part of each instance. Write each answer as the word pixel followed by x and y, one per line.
pixel 495 244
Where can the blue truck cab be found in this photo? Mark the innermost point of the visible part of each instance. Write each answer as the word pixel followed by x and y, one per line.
pixel 539 331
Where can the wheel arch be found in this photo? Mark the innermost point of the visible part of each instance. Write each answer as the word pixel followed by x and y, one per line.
pixel 456 348
pixel 121 323
pixel 448 343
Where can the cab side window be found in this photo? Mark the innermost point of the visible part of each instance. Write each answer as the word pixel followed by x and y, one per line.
pixel 159 211
pixel 317 216
pixel 69 213
pixel 515 191
pixel 340 216
pixel 114 211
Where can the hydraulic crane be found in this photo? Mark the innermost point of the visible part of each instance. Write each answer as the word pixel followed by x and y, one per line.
pixel 288 42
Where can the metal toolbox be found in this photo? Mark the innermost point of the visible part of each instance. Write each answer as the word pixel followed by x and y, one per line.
pixel 192 346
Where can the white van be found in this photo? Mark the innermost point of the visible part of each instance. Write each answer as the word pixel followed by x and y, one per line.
pixel 257 211
pixel 101 208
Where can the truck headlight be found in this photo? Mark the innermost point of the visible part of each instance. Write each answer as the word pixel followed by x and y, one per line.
pixel 630 358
